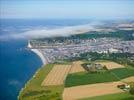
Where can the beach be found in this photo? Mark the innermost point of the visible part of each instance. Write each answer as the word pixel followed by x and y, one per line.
pixel 38 52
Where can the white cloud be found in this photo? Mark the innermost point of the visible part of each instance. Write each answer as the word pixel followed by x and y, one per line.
pixel 44 32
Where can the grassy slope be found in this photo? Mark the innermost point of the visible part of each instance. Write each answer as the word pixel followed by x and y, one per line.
pixel 119 96
pixel 34 91
pixel 91 78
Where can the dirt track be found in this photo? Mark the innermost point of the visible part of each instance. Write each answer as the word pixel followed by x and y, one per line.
pixel 111 65
pixel 85 91
pixel 57 75
pixel 76 67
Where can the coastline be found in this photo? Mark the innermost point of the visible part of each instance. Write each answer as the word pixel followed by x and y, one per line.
pixel 37 52
pixel 34 83
pixel 44 61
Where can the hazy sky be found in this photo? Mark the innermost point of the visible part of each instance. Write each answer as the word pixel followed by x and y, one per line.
pixel 67 9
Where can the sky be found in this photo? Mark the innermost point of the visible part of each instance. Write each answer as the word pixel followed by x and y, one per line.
pixel 67 9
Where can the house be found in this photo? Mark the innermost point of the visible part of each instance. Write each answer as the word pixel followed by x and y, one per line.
pixel 93 67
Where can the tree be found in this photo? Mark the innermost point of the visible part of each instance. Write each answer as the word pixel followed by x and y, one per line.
pixel 131 91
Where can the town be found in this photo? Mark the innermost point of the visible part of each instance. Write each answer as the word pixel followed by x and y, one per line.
pixel 56 50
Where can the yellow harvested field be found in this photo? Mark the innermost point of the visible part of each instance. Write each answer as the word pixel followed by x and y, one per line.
pixel 129 79
pixel 57 75
pixel 110 65
pixel 76 67
pixel 84 91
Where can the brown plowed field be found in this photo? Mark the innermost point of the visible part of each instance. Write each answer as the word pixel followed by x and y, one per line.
pixel 57 75
pixel 111 65
pixel 76 67
pixel 84 91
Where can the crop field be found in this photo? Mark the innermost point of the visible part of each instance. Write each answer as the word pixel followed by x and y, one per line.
pixel 116 96
pixel 110 65
pixel 129 79
pixel 50 81
pixel 57 75
pixel 122 73
pixel 84 78
pixel 76 67
pixel 83 91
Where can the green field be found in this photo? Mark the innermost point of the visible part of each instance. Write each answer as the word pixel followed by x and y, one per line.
pixel 88 78
pixel 84 78
pixel 123 72
pixel 34 91
pixel 63 62
pixel 119 96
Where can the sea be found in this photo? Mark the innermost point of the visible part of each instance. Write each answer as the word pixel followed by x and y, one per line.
pixel 17 63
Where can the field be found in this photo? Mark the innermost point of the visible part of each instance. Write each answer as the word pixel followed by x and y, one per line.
pixel 76 67
pixel 83 91
pixel 84 78
pixel 77 92
pixel 129 79
pixel 88 78
pixel 34 91
pixel 117 96
pixel 110 65
pixel 50 81
pixel 122 73
pixel 57 75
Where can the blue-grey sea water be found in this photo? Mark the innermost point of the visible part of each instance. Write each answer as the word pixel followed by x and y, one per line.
pixel 17 63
